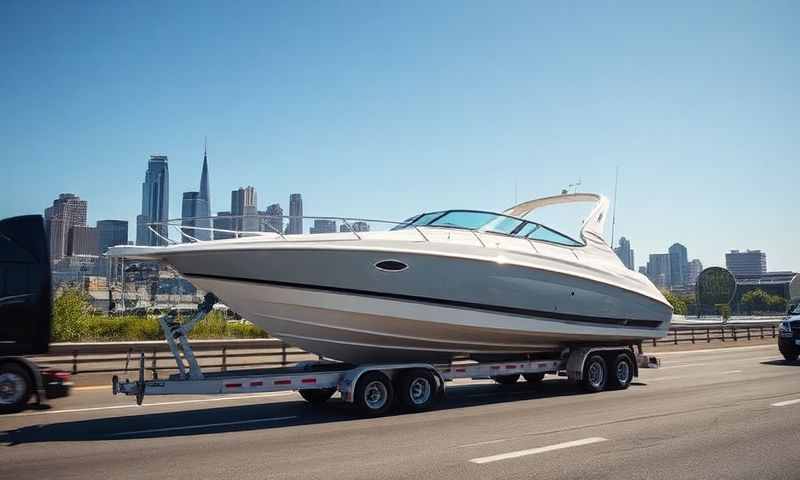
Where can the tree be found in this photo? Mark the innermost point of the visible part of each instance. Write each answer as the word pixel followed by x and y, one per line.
pixel 759 300
pixel 678 303
pixel 70 315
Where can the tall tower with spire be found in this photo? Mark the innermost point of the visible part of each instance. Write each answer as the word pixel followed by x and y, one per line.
pixel 204 200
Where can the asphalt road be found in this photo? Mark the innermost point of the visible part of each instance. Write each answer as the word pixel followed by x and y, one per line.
pixel 729 413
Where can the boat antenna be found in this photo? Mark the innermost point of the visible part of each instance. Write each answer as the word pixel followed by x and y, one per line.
pixel 614 212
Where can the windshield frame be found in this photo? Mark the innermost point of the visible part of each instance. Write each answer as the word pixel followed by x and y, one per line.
pixel 523 223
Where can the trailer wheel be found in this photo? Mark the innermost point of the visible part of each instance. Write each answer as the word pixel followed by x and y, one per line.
pixel 15 388
pixel 533 377
pixel 506 379
pixel 417 389
pixel 374 393
pixel 621 374
pixel 595 374
pixel 317 396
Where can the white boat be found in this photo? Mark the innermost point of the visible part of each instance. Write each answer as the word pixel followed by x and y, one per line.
pixel 440 285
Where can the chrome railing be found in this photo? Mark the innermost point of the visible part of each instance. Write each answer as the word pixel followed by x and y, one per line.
pixel 266 225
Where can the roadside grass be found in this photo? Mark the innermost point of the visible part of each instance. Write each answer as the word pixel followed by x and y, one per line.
pixel 73 321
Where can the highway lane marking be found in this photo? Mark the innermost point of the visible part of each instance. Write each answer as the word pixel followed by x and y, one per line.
pixel 786 403
pixel 713 350
pixel 730 371
pixel 93 387
pixel 682 366
pixel 157 404
pixel 205 425
pixel 534 451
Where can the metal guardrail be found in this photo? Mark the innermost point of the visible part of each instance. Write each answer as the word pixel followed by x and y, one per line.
pixel 90 357
pixel 266 352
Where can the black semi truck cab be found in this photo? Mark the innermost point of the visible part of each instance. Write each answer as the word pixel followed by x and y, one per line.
pixel 25 314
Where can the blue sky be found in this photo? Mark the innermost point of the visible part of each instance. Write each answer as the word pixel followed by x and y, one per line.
pixel 384 109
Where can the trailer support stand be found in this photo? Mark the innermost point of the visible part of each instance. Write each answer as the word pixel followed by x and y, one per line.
pixel 178 341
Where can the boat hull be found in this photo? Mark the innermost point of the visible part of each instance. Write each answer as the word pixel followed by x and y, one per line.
pixel 338 305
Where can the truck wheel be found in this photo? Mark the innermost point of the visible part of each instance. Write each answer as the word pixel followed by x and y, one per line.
pixel 506 379
pixel 317 396
pixel 533 377
pixel 417 390
pixel 790 357
pixel 621 374
pixel 595 374
pixel 374 394
pixel 15 388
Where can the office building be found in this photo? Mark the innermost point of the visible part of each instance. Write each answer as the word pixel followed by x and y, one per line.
pixel 192 207
pixel 748 263
pixel 678 265
pixel 111 233
pixel 695 267
pixel 243 209
pixel 273 221
pixel 83 241
pixel 295 226
pixel 658 270
pixel 357 227
pixel 625 253
pixel 223 221
pixel 155 202
pixel 67 211
pixel 643 270
pixel 324 226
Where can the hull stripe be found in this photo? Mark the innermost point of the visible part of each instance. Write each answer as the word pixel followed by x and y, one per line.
pixel 449 303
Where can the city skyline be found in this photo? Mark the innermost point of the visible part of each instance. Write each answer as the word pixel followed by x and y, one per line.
pixel 396 111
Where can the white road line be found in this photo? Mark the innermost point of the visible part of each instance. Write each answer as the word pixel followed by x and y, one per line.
pixel 730 371
pixel 683 366
pixel 713 350
pixel 157 404
pixel 786 403
pixel 206 425
pixel 93 387
pixel 533 451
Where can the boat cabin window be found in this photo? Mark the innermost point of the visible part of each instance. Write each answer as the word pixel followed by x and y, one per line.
pixel 490 222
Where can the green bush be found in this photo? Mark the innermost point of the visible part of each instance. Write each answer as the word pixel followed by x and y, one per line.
pixel 73 321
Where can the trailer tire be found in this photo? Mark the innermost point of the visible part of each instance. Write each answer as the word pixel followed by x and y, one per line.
pixel 374 394
pixel 510 379
pixel 621 372
pixel 317 396
pixel 417 390
pixel 595 374
pixel 533 378
pixel 16 387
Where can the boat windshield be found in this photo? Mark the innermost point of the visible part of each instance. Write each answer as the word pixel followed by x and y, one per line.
pixel 492 223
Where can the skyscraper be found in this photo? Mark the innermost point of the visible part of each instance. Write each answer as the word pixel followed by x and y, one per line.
pixel 68 210
pixel 223 221
pixel 111 233
pixel 751 262
pixel 243 204
pixel 83 241
pixel 323 226
pixel 695 267
pixel 295 214
pixel 625 253
pixel 155 202
pixel 678 265
pixel 204 206
pixel 274 218
pixel 194 206
pixel 658 270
